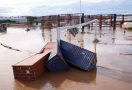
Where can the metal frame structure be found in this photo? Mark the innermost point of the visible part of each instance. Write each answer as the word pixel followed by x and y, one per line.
pixel 70 27
pixel 57 59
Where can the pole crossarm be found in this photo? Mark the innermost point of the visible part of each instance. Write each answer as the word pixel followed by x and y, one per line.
pixel 78 25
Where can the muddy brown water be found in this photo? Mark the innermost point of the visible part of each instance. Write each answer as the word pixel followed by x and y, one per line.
pixel 113 50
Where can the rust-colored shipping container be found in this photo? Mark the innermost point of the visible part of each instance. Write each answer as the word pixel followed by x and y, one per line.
pixel 33 67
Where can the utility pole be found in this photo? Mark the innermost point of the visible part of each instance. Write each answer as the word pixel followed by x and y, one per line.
pixel 80 13
pixel 80 7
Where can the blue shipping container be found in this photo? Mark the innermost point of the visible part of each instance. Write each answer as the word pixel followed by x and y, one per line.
pixel 77 56
pixel 56 63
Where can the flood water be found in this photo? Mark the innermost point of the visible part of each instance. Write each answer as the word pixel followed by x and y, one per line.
pixel 114 55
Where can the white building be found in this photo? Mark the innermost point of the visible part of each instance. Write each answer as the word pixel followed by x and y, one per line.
pixel 17 19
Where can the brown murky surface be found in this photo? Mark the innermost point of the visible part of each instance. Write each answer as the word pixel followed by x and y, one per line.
pixel 114 54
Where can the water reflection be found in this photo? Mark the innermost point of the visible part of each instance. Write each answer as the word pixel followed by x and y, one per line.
pixel 113 37
pixel 55 80
pixel 100 33
pixel 43 33
pixel 95 46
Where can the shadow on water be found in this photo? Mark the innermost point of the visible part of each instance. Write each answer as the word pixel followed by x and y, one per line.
pixel 57 78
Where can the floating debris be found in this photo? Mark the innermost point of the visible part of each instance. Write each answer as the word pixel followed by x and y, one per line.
pixel 9 47
pixel 73 31
pixel 95 40
pixel 27 29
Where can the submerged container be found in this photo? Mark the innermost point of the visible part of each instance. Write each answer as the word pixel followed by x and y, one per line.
pixel 33 67
pixel 56 62
pixel 78 56
pixel 3 27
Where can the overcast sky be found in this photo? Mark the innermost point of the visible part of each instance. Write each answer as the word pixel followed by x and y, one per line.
pixel 47 7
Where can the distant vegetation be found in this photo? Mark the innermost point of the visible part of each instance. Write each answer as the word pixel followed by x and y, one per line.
pixel 7 21
pixel 31 18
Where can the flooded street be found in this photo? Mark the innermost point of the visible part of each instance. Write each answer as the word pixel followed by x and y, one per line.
pixel 114 55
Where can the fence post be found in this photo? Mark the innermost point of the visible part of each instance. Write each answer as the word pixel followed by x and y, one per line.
pixel 100 22
pixel 114 22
